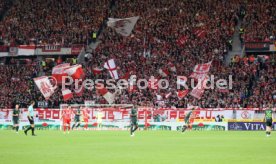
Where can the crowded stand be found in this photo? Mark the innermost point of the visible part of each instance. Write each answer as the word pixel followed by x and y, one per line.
pixel 169 33
pixel 53 22
pixel 259 20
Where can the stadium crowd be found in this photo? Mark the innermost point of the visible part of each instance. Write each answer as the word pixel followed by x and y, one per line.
pixel 259 20
pixel 173 32
pixel 53 22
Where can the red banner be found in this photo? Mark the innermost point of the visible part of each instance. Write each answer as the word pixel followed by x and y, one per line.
pixel 76 49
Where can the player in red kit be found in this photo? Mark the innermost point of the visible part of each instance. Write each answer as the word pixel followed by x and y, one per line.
pixel 66 119
pixel 85 117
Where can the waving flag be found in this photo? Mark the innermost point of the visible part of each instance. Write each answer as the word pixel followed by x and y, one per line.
pixel 67 94
pixel 198 91
pixel 200 33
pixel 201 70
pixel 59 71
pixel 111 67
pixel 44 85
pixel 182 94
pixel 182 40
pixel 123 26
pixel 75 71
pixel 109 97
pixel 163 72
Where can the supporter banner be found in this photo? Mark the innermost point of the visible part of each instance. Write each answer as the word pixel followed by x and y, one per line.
pixel 3 54
pixel 76 49
pixel 13 51
pixel 52 50
pixel 251 126
pixel 26 50
pixel 245 114
pixel 257 46
pixel 121 114
pixel 164 118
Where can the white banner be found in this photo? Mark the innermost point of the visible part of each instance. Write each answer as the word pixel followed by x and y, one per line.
pixel 26 50
pixel 245 114
pixel 44 85
pixel 122 26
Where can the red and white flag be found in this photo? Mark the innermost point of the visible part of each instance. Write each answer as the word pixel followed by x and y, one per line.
pixel 44 85
pixel 123 26
pixel 163 72
pixel 75 71
pixel 26 50
pixel 201 70
pixel 182 40
pixel 97 70
pixel 200 33
pixel 58 72
pixel 182 94
pixel 198 91
pixel 109 97
pixel 67 94
pixel 112 68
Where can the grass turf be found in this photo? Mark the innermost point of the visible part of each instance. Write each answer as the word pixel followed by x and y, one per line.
pixel 110 147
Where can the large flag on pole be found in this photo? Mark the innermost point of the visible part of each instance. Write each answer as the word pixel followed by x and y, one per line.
pixel 67 94
pixel 123 26
pixel 58 72
pixel 201 70
pixel 44 85
pixel 198 91
pixel 75 71
pixel 111 67
pixel 108 96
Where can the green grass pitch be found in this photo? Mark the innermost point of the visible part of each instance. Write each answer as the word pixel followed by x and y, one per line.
pixel 147 147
